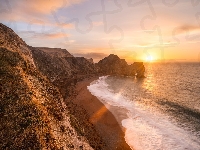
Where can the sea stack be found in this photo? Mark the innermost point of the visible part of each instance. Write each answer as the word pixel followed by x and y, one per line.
pixel 113 65
pixel 140 69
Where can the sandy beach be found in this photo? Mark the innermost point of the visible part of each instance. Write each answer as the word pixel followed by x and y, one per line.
pixel 111 132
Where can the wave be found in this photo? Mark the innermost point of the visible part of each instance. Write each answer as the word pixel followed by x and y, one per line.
pixel 181 110
pixel 144 129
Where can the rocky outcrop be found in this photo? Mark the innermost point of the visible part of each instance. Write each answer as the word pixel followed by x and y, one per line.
pixel 91 60
pixel 139 69
pixel 113 65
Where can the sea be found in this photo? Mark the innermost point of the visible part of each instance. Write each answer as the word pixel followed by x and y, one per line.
pixel 163 109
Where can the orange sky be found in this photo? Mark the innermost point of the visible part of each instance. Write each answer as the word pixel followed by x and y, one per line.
pixel 134 30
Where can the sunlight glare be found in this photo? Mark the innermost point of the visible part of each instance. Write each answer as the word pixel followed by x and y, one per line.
pixel 149 58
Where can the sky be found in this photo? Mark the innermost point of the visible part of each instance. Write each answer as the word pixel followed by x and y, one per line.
pixel 136 30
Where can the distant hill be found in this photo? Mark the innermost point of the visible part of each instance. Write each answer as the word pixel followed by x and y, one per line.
pixel 58 52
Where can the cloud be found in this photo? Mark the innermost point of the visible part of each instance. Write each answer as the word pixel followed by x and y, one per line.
pixel 189 32
pixel 38 22
pixel 189 27
pixel 21 10
pixel 55 35
pixel 185 29
pixel 91 55
pixel 155 45
pixel 32 34
pixel 98 23
pixel 40 6
pixel 66 26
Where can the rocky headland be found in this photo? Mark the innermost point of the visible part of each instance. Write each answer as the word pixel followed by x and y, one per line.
pixel 113 65
pixel 37 89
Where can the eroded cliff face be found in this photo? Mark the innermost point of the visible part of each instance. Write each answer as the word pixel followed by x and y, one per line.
pixel 33 114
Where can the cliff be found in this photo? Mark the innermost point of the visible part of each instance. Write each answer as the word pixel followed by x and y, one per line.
pixel 35 83
pixel 61 68
pixel 33 113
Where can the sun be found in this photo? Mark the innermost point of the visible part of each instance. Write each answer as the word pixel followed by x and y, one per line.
pixel 149 58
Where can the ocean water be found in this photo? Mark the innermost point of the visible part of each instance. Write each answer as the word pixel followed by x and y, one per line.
pixel 163 109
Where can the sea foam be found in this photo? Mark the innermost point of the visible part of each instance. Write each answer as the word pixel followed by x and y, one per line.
pixel 144 129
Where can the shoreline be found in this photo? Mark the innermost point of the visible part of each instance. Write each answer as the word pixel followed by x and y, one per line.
pixel 107 123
